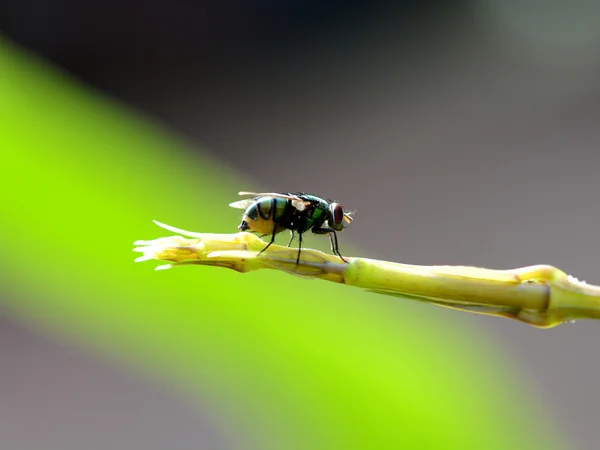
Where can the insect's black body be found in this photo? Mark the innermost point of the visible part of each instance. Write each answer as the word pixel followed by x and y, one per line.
pixel 270 214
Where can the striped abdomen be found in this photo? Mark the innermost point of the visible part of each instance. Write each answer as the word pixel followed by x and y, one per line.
pixel 265 214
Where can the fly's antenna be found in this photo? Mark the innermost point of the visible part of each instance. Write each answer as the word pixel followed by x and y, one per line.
pixel 349 216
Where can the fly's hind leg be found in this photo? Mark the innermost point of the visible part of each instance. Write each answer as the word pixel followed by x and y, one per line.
pixel 272 240
pixel 332 240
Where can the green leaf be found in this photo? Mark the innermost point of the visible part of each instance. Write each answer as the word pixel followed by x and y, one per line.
pixel 278 363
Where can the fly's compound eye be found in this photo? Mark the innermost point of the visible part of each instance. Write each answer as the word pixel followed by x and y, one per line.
pixel 337 216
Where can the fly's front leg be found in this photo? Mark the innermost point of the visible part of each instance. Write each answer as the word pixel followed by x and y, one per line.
pixel 332 240
pixel 291 237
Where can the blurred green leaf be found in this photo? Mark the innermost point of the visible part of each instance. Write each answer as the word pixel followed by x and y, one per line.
pixel 278 362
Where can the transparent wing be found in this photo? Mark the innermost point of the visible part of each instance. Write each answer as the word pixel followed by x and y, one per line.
pixel 242 204
pixel 298 203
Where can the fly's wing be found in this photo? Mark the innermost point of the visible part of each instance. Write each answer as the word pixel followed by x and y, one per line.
pixel 297 202
pixel 242 204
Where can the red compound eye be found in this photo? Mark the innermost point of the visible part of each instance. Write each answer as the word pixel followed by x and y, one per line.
pixel 337 213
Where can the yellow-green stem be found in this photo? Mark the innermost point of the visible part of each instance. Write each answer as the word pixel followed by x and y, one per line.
pixel 541 295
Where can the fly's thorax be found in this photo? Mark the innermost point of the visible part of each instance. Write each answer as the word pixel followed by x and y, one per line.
pixel 319 213
pixel 313 216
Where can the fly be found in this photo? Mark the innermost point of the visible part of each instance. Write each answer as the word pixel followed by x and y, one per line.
pixel 271 213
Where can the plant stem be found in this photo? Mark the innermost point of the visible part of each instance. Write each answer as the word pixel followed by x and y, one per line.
pixel 541 295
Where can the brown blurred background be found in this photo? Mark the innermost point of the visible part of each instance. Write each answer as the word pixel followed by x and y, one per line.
pixel 463 133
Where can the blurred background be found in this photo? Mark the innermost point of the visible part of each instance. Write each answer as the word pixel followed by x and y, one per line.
pixel 462 133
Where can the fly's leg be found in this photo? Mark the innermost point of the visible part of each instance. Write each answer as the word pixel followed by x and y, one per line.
pixel 299 247
pixel 291 238
pixel 272 240
pixel 332 240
